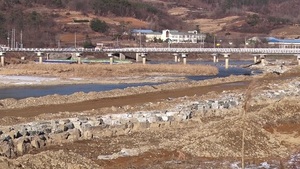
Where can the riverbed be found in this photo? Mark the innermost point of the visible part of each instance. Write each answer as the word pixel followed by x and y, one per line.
pixel 27 86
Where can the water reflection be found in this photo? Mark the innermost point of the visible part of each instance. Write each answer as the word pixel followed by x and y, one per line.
pixel 38 91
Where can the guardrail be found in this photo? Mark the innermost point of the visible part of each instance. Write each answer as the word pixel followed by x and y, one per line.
pixel 159 50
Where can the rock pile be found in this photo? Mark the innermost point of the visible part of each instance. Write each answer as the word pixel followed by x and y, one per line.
pixel 280 91
pixel 18 139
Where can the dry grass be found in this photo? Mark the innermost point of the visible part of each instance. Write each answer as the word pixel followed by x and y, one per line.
pixel 103 70
pixel 287 31
pixel 179 11
pixel 213 25
pixel 133 22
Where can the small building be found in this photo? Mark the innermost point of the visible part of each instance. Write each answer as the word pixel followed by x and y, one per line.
pixel 182 37
pixel 283 43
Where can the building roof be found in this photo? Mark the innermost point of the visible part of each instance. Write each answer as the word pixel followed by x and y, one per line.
pixel 142 31
pixel 276 40
pixel 154 33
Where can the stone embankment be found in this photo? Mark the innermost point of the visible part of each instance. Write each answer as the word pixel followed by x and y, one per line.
pixel 18 139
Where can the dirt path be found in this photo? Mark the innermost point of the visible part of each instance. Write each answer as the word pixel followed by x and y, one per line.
pixel 122 101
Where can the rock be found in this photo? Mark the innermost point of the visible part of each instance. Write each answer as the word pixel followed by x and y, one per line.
pixel 42 140
pixel 35 143
pixel 152 119
pixel 94 122
pixel 215 105
pixel 69 125
pixel 165 118
pixel 128 152
pixel 226 105
pixel 20 147
pixel 86 126
pixel 75 134
pixel 7 138
pixel 171 113
pixel 141 119
pixel 77 124
pixel 64 121
pixel 127 131
pixel 6 149
pixel 60 137
pixel 61 128
pixel 130 125
pixel 83 119
pixel 87 134
pixel 17 135
pixel 47 130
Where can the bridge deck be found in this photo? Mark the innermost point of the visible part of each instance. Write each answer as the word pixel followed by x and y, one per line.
pixel 159 50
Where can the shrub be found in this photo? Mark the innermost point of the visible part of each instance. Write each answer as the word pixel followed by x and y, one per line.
pixel 99 26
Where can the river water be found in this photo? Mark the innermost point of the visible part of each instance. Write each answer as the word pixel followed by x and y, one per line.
pixel 38 91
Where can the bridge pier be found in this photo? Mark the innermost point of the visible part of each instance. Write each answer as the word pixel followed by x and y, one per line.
pixel 226 56
pixel 262 59
pixel 184 55
pixel 143 55
pixel 40 55
pixel 255 58
pixel 215 57
pixel 47 56
pixel 2 58
pixel 111 58
pixel 175 57
pixel 122 56
pixel 298 58
pixel 138 57
pixel 78 55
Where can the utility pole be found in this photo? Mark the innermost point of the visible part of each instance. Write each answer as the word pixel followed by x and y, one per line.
pixel 117 41
pixel 214 41
pixel 140 39
pixel 58 43
pixel 14 45
pixel 8 39
pixel 21 39
pixel 75 39
pixel 12 38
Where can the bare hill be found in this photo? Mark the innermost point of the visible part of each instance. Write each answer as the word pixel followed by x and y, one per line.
pixel 55 23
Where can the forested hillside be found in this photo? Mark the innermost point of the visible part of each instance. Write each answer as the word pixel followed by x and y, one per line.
pixel 44 22
pixel 38 23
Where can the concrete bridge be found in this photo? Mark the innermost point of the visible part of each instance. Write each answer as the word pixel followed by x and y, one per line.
pixel 141 53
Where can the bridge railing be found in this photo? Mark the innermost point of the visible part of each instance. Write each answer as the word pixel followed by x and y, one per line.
pixel 159 50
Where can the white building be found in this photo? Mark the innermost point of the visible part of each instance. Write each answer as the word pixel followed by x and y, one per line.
pixel 150 37
pixel 182 37
pixel 172 36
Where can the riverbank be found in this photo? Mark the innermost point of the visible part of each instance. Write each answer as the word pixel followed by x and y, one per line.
pixel 208 132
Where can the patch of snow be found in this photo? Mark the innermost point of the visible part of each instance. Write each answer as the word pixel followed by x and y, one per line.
pixel 24 80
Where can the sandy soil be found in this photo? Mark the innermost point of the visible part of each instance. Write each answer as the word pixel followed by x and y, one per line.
pixel 204 142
